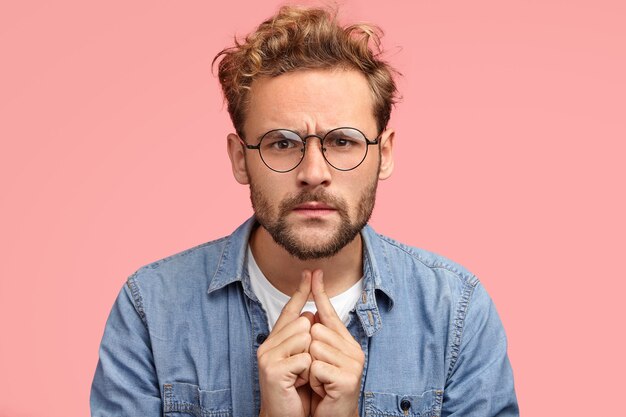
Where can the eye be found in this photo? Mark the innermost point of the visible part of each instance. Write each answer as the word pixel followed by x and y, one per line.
pixel 282 144
pixel 340 142
pixel 344 139
pixel 281 141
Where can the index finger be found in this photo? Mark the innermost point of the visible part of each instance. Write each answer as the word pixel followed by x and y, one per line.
pixel 292 309
pixel 325 310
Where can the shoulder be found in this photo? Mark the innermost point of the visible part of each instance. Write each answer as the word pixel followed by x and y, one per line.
pixel 182 267
pixel 419 266
pixel 196 268
pixel 168 290
pixel 162 287
pixel 181 281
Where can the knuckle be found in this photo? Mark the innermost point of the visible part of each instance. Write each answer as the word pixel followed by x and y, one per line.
pixel 315 347
pixel 316 329
pixel 315 365
pixel 303 323
pixel 305 338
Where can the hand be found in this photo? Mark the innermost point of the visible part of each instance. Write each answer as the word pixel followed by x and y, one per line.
pixel 284 359
pixel 337 366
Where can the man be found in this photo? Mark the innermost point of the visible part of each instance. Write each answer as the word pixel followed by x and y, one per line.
pixel 304 309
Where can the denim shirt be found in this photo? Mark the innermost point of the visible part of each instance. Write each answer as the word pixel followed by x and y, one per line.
pixel 182 336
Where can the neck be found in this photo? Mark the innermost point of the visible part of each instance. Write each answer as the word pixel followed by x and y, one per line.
pixel 284 271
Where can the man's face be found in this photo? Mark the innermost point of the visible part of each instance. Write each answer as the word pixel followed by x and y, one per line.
pixel 314 210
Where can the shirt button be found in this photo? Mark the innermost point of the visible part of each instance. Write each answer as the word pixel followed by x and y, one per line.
pixel 260 338
pixel 405 405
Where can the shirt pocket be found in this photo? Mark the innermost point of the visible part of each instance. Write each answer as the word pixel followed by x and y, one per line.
pixel 182 399
pixel 379 404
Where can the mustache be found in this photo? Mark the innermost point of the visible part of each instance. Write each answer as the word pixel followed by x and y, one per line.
pixel 321 196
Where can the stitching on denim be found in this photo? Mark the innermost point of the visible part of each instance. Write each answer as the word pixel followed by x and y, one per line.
pixel 172 405
pixel 461 275
pixel 253 352
pixel 167 393
pixel 459 324
pixel 433 411
pixel 137 300
pixel 186 252
pixel 364 342
pixel 387 262
pixel 221 261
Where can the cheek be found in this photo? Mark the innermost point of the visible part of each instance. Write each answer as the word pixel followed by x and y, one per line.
pixel 272 190
pixel 350 190
pixel 360 187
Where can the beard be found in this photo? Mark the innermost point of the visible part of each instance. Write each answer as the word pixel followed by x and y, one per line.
pixel 301 248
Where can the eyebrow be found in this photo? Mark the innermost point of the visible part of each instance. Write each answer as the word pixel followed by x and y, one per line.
pixel 300 133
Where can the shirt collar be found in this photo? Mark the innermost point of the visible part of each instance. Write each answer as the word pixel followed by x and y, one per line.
pixel 376 265
pixel 232 265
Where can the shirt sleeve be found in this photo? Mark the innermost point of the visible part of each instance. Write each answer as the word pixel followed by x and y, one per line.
pixel 125 382
pixel 480 380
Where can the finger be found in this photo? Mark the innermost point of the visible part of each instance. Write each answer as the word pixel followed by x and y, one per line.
pixel 299 365
pixel 325 378
pixel 324 334
pixel 316 384
pixel 327 314
pixel 293 345
pixel 296 364
pixel 309 316
pixel 333 356
pixel 300 325
pixel 287 371
pixel 292 309
pixel 349 364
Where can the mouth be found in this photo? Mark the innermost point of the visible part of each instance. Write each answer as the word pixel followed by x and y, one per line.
pixel 314 209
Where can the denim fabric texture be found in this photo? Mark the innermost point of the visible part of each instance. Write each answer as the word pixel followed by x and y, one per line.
pixel 182 336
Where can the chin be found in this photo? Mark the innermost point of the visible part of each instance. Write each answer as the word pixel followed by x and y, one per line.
pixel 309 246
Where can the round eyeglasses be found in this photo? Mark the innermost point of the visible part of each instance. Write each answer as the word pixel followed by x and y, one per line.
pixel 344 148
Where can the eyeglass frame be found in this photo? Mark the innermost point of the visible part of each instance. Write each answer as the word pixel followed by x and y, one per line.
pixel 368 142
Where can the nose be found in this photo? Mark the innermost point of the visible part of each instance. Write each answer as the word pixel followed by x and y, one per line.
pixel 313 170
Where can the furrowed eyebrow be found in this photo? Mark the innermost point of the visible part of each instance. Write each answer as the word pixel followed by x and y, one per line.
pixel 300 133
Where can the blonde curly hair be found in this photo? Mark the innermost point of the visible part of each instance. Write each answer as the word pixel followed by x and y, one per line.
pixel 299 38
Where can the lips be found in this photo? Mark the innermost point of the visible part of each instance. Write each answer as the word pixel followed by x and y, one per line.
pixel 313 205
pixel 314 209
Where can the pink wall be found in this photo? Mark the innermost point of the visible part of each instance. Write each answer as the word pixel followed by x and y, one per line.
pixel 510 148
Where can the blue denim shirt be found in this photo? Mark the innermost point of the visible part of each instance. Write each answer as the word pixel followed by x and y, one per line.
pixel 182 336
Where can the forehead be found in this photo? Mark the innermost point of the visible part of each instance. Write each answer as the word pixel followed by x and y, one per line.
pixel 311 101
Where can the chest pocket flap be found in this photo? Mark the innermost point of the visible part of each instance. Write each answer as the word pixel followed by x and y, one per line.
pixel 182 399
pixel 427 404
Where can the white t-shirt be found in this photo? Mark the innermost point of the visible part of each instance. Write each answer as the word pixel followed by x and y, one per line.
pixel 273 300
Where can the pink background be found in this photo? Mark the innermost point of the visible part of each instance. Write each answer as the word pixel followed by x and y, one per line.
pixel 509 160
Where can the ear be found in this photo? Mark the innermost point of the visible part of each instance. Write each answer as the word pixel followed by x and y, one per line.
pixel 237 155
pixel 386 154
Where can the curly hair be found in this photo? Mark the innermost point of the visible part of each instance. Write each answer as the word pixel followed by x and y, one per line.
pixel 299 38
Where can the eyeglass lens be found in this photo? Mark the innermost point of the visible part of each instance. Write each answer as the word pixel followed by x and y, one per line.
pixel 343 148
